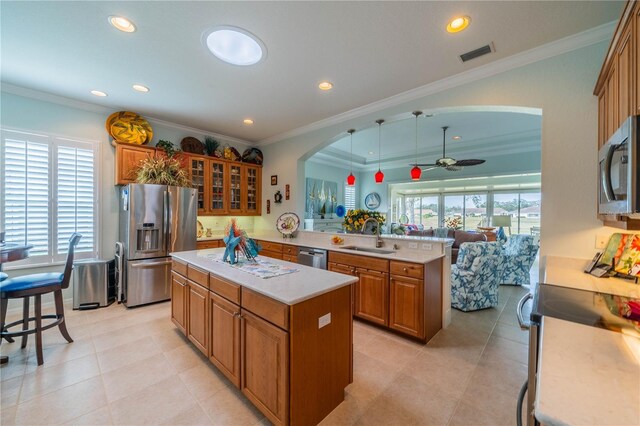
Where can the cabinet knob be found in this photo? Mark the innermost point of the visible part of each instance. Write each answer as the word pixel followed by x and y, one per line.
pixel 405 269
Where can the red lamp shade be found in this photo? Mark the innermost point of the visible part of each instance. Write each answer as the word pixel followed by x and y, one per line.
pixel 351 179
pixel 415 173
pixel 379 176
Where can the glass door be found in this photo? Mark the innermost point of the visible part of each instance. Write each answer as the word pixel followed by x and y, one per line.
pixel 217 204
pixel 198 174
pixel 252 177
pixel 235 188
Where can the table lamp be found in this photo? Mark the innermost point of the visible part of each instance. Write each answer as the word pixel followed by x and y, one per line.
pixel 501 221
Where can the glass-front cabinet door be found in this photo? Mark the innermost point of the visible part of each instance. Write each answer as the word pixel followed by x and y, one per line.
pixel 252 177
pixel 217 178
pixel 235 188
pixel 198 173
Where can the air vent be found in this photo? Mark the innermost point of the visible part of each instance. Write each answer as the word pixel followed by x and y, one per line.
pixel 481 51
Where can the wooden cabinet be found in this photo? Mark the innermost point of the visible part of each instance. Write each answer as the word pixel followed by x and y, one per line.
pixel 198 169
pixel 347 270
pixel 198 316
pixel 179 290
pixel 236 189
pixel 201 245
pixel 372 296
pixel 406 305
pixel 624 59
pixel 252 201
pixel 269 249
pixel 265 367
pixel 128 159
pixel 217 201
pixel 225 337
pixel 636 59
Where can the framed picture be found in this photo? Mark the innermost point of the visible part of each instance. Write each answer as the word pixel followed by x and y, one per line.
pixel 274 180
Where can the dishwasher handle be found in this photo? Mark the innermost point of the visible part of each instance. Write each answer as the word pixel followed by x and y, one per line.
pixel 312 252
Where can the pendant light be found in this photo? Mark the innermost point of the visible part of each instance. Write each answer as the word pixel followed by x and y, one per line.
pixel 351 179
pixel 379 176
pixel 416 171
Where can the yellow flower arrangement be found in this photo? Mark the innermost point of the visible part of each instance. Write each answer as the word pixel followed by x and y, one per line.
pixel 354 219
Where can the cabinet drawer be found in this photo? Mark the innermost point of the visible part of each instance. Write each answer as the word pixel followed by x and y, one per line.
pixel 290 258
pixel 226 289
pixel 179 267
pixel 201 245
pixel 273 254
pixel 406 269
pixel 290 250
pixel 365 262
pixel 269 246
pixel 273 311
pixel 198 276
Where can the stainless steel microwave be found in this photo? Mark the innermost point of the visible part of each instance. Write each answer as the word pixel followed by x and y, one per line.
pixel 619 180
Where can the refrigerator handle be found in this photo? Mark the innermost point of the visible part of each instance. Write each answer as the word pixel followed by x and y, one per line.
pixel 168 217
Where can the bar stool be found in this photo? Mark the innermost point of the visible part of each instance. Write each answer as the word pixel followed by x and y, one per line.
pixel 36 285
pixel 3 276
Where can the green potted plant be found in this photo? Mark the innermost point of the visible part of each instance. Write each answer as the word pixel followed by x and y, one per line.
pixel 163 171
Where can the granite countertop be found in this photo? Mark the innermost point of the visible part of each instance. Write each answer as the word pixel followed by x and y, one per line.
pixel 289 288
pixel 568 272
pixel 587 375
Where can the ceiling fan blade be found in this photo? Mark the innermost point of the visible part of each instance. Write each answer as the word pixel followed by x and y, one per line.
pixel 470 162
pixel 424 165
pixel 430 168
pixel 453 168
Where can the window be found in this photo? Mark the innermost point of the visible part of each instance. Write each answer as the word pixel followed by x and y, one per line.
pixel 49 191
pixel 523 207
pixel 349 197
pixel 475 211
pixel 429 212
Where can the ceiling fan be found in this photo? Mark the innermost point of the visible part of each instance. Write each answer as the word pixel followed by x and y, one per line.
pixel 449 163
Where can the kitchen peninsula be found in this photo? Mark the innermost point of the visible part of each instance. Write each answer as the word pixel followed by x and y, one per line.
pixel 286 342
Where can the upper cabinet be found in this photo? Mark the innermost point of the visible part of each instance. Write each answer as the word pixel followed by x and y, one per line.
pixel 618 85
pixel 128 158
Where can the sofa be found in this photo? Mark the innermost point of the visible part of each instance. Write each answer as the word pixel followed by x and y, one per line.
pixel 459 236
pixel 475 278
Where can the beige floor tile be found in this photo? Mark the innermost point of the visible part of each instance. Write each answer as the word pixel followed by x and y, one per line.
pixel 193 415
pixel 370 377
pixel 8 416
pixel 507 349
pixel 204 380
pixel 185 357
pixel 391 351
pixel 511 332
pixel 229 407
pixel 347 413
pixel 152 405
pixel 98 417
pixel 448 374
pixel 58 353
pixel 17 360
pixel 63 405
pixel 50 378
pixel 501 398
pixel 170 339
pixel 105 341
pixel 128 353
pixel 467 415
pixel 134 377
pixel 501 371
pixel 10 391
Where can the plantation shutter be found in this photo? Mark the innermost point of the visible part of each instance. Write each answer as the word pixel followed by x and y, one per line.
pixel 349 197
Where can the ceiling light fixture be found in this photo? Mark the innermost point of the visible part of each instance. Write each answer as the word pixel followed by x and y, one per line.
pixel 416 171
pixel 235 46
pixel 248 121
pixel 456 138
pixel 325 85
pixel 122 24
pixel 140 88
pixel 370 152
pixel 98 93
pixel 458 24
pixel 351 179
pixel 379 176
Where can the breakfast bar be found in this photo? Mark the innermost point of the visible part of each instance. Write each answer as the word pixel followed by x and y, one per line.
pixel 282 333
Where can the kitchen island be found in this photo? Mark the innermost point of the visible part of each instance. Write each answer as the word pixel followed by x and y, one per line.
pixel 286 341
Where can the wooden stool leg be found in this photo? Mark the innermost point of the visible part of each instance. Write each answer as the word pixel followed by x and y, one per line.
pixel 3 316
pixel 25 320
pixel 60 312
pixel 38 308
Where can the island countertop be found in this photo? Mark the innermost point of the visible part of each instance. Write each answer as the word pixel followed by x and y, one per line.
pixel 290 288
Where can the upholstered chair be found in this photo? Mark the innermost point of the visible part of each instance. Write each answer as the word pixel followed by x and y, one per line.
pixel 475 278
pixel 519 252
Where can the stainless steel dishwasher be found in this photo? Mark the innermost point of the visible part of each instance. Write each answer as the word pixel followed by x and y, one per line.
pixel 314 257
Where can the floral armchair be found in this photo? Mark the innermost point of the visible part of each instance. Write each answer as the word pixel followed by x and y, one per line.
pixel 519 252
pixel 475 278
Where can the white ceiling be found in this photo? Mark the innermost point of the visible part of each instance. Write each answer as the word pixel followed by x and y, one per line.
pixel 369 50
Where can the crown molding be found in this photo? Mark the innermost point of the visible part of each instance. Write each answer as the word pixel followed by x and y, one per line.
pixel 555 48
pixel 101 109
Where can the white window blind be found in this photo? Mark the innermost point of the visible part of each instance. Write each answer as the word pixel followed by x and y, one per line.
pixel 349 197
pixel 49 191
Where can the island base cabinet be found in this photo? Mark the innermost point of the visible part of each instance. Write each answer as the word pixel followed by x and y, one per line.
pixel 179 289
pixel 372 296
pixel 406 313
pixel 198 315
pixel 265 367
pixel 225 337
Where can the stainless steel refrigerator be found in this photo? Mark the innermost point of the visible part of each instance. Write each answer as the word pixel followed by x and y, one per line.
pixel 155 220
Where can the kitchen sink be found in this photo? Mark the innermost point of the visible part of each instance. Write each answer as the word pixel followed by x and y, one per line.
pixel 368 250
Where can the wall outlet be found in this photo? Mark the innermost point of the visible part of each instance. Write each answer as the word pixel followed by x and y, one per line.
pixel 426 246
pixel 601 241
pixel 413 245
pixel 324 320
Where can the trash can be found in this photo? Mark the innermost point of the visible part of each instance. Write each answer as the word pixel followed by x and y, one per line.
pixel 91 288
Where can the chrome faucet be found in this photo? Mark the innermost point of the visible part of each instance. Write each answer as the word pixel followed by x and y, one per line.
pixel 379 242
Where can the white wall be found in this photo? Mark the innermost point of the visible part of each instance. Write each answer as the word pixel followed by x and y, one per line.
pixel 561 86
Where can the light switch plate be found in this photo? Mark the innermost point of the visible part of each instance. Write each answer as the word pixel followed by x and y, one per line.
pixel 324 320
pixel 426 246
pixel 413 245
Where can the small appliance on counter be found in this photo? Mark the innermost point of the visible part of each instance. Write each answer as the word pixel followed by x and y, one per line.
pixel 155 220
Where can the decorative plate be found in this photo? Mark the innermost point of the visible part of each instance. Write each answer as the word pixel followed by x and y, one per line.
pixel 252 156
pixel 200 230
pixel 341 211
pixel 288 223
pixel 372 200
pixel 128 132
pixel 192 145
pixel 129 117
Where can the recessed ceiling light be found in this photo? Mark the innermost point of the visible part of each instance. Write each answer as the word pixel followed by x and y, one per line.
pixel 98 93
pixel 140 88
pixel 248 121
pixel 456 138
pixel 458 24
pixel 123 24
pixel 325 85
pixel 235 46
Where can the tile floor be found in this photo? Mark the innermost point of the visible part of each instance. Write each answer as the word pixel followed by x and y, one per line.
pixel 134 367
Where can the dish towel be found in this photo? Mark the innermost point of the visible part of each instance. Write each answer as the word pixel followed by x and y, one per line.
pixel 261 268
